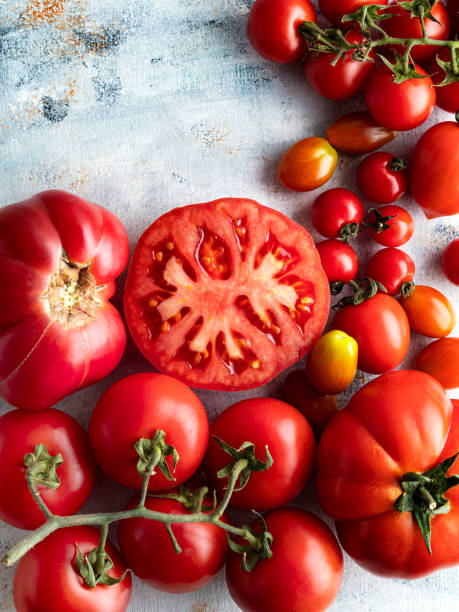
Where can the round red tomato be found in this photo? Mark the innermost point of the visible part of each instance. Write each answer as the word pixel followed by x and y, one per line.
pixel 59 332
pixel 307 164
pixel 440 359
pixel 447 95
pixel 381 329
pixel 434 170
pixel 399 106
pixel 344 80
pixel 264 422
pixel 337 213
pixel 304 573
pixel 429 312
pixel 136 407
pixel 273 28
pixel 397 424
pixel 382 178
pixel 204 548
pixel 225 295
pixel 20 432
pixel 333 10
pixel 392 268
pixel 47 577
pixel 450 261
pixel 390 225
pixel 339 260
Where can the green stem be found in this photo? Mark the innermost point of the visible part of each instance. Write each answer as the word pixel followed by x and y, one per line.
pixel 235 472
pixel 36 495
pixel 147 474
pixel 101 550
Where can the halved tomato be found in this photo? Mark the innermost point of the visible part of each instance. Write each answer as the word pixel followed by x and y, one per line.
pixel 225 295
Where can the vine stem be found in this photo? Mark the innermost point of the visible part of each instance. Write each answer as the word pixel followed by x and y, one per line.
pixel 36 495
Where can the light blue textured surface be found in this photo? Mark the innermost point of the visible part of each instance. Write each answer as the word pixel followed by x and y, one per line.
pixel 145 105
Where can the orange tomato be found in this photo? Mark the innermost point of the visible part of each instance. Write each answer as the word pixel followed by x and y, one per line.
pixel 358 133
pixel 440 359
pixel 429 312
pixel 308 164
pixel 332 362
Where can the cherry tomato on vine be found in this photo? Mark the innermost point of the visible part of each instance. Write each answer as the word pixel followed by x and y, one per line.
pixel 391 267
pixel 273 28
pixel 447 95
pixel 390 225
pixel 440 359
pixel 339 260
pixel 382 178
pixel 358 133
pixel 337 213
pixel 332 362
pixel 429 312
pixel 308 164
pixel 450 261
pixel 333 10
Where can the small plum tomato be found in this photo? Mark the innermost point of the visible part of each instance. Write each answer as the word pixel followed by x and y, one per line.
pixel 390 225
pixel 339 260
pixel 337 213
pixel 308 164
pixel 382 178
pixel 392 268
pixel 440 359
pixel 450 261
pixel 332 362
pixel 429 312
pixel 358 133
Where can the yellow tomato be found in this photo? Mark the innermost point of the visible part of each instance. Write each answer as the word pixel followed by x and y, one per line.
pixel 308 164
pixel 332 362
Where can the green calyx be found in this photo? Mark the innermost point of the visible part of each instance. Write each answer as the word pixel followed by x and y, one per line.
pixel 93 571
pixel 247 452
pixel 420 8
pixel 380 224
pixel 258 546
pixel 365 291
pixel 348 231
pixel 397 164
pixel 153 452
pixel 423 496
pixel 42 467
pixel 193 501
pixel 402 68
pixel 407 289
pixel 336 287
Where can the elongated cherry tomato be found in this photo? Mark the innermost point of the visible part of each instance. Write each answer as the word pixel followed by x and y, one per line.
pixel 358 133
pixel 333 10
pixel 382 178
pixel 440 359
pixel 337 213
pixel 332 362
pixel 391 267
pixel 429 312
pixel 339 260
pixel 390 232
pixel 450 261
pixel 447 95
pixel 308 164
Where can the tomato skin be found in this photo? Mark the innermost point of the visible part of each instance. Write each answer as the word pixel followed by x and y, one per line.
pixel 437 148
pixel 429 312
pixel 358 133
pixel 289 581
pixel 450 261
pixel 20 432
pixel 332 363
pixel 135 407
pixel 204 548
pixel 391 267
pixel 378 181
pixel 273 28
pixel 401 226
pixel 264 421
pixel 440 359
pixel 334 209
pixel 453 10
pixel 403 106
pixel 381 329
pixel 333 10
pixel 47 578
pixel 447 95
pixel 339 260
pixel 308 164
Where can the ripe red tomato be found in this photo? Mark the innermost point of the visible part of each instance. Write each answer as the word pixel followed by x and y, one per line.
pixel 437 194
pixel 47 577
pixel 453 10
pixel 264 422
pixel 382 178
pixel 225 295
pixel 392 268
pixel 447 95
pixel 440 359
pixel 450 261
pixel 399 106
pixel 398 423
pixel 401 226
pixel 339 260
pixel 273 28
pixel 134 408
pixel 304 573
pixel 381 329
pixel 337 213
pixel 333 10
pixel 308 164
pixel 358 133
pixel 59 332
pixel 204 548
pixel 344 80
pixel 429 312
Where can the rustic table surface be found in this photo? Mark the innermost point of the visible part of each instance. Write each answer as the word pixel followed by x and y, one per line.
pixel 145 105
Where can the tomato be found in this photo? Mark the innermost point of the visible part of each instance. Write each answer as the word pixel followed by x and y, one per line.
pixel 399 423
pixel 339 260
pixel 304 573
pixel 381 329
pixel 264 422
pixel 447 95
pixel 450 261
pixel 440 359
pixel 332 363
pixel 136 407
pixel 399 106
pixel 333 10
pixel 382 178
pixel 60 256
pixel 437 193
pixel 358 133
pixel 20 432
pixel 391 267
pixel 344 80
pixel 204 548
pixel 390 232
pixel 47 577
pixel 273 28
pixel 308 164
pixel 429 312
pixel 453 10
pixel 225 295
pixel 337 213
pixel 317 408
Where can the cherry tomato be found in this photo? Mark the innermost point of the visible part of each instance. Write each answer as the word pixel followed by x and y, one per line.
pixel 204 548
pixel 447 95
pixel 450 261
pixel 358 133
pixel 440 359
pixel 339 260
pixel 337 213
pixel 453 10
pixel 429 312
pixel 273 28
pixel 390 232
pixel 434 170
pixel 332 363
pixel 136 407
pixel 399 106
pixel 391 267
pixel 308 164
pixel 304 572
pixel 333 10
pixel 264 422
pixel 47 577
pixel 382 178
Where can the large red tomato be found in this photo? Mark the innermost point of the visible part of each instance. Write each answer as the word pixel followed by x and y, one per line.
pixel 397 424
pixel 20 432
pixel 60 256
pixel 333 10
pixel 225 295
